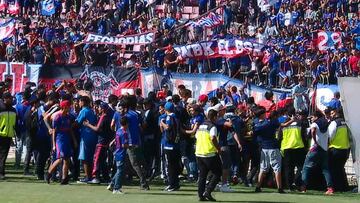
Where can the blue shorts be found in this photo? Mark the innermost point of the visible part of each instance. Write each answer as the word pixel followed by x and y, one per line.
pixel 63 150
pixel 87 150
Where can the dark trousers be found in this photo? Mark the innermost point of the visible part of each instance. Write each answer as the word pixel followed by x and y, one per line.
pixel 137 161
pixel 206 165
pixel 150 153
pixel 337 160
pixel 4 151
pixel 29 152
pixel 173 159
pixel 100 165
pixel 43 149
pixel 293 158
pixel 250 152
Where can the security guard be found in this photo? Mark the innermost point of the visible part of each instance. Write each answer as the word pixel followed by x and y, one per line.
pixel 339 149
pixel 207 156
pixel 293 150
pixel 7 132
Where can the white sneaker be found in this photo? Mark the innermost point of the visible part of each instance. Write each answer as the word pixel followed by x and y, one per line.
pixel 109 187
pixel 95 181
pixel 118 192
pixel 225 188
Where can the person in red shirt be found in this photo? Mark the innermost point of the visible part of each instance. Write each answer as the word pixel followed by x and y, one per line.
pixel 268 103
pixel 354 63
pixel 285 101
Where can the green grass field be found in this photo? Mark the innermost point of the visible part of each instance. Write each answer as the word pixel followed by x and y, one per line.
pixel 25 189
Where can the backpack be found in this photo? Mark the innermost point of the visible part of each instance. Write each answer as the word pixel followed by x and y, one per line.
pixel 173 135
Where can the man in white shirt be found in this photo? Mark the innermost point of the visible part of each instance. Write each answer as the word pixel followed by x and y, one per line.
pixel 318 154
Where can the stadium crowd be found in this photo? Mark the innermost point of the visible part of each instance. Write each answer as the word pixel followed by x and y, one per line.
pixel 289 28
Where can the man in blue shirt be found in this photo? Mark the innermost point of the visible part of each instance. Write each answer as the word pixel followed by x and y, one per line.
pixel 335 102
pixel 88 138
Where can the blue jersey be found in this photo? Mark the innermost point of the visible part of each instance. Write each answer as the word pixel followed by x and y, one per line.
pixel 170 136
pixel 86 133
pixel 121 139
pixel 62 126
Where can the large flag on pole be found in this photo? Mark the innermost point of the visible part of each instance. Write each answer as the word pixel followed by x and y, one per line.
pixel 209 21
pixel 3 5
pixel 7 29
pixel 48 7
pixel 14 7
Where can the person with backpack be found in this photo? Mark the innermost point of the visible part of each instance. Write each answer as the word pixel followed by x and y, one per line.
pixel 170 129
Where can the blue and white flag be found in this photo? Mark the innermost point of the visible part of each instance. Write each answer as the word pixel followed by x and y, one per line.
pixel 7 29
pixel 47 7
pixel 209 21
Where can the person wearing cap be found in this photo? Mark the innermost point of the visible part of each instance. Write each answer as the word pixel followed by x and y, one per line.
pixel 88 138
pixel 170 128
pixel 207 156
pixel 8 125
pixel 105 135
pixel 235 133
pixel 62 140
pixel 203 99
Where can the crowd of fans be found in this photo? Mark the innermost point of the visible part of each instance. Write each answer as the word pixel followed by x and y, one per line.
pixel 57 39
pixel 170 136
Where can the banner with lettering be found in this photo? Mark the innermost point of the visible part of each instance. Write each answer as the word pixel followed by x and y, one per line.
pixel 228 48
pixel 20 74
pixel 327 40
pixel 143 38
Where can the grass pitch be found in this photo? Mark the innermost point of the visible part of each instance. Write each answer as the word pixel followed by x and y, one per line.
pixel 24 189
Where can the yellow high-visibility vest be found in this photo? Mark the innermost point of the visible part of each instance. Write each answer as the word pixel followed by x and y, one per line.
pixel 7 123
pixel 291 138
pixel 204 144
pixel 341 138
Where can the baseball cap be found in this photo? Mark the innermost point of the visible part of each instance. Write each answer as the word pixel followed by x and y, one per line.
pixel 218 107
pixel 203 98
pixel 191 101
pixel 169 98
pixel 65 104
pixel 169 106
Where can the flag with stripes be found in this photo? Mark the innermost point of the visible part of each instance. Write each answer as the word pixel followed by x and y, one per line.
pixel 7 29
pixel 14 7
pixel 3 5
pixel 209 21
pixel 47 7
